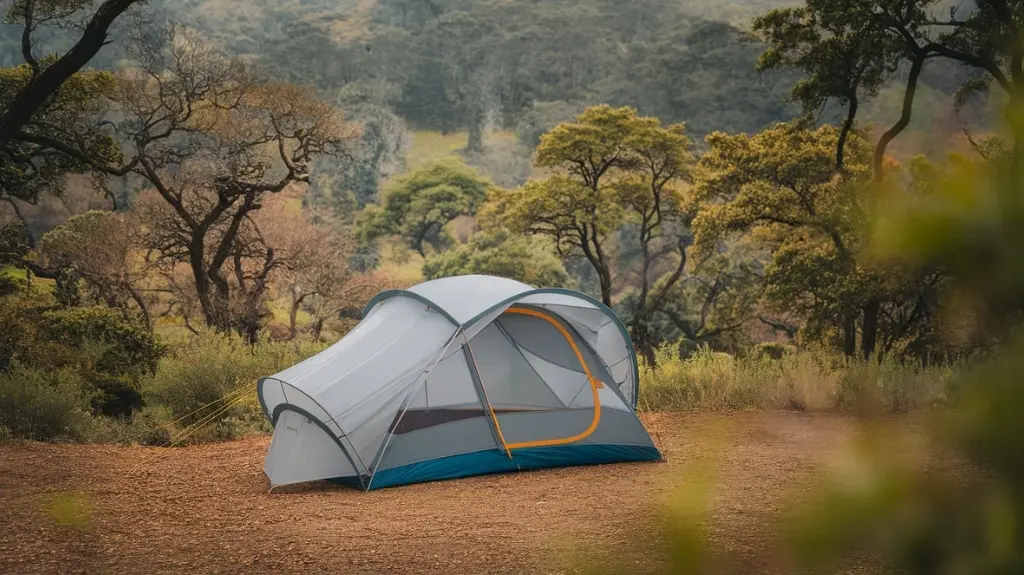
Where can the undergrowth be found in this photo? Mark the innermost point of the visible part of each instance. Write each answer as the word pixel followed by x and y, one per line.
pixel 205 390
pixel 803 381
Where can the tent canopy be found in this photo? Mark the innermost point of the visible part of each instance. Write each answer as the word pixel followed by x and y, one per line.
pixel 454 377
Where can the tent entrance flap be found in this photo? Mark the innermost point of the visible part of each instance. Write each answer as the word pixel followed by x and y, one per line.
pixel 516 393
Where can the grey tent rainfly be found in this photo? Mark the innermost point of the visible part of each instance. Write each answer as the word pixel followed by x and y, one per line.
pixel 455 377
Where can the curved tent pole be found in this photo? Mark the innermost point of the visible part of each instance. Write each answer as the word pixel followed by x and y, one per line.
pixel 595 385
pixel 511 300
pixel 405 406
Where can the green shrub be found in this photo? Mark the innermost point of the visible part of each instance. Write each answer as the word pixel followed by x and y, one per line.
pixel 44 405
pixel 108 351
pixel 209 384
pixel 771 350
pixel 131 348
pixel 17 328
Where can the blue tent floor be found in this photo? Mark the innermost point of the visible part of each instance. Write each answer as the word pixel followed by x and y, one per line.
pixel 495 461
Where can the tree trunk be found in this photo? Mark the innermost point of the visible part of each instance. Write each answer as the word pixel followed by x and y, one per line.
pixel 293 316
pixel 143 308
pixel 904 121
pixel 213 300
pixel 317 328
pixel 850 336
pixel 475 143
pixel 870 331
pixel 641 336
pixel 844 134
pixel 606 285
pixel 202 281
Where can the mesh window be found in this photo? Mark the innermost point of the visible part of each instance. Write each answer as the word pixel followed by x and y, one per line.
pixel 565 383
pixel 448 395
pixel 509 380
pixel 546 341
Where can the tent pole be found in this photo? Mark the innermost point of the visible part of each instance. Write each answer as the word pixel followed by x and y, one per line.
pixel 483 391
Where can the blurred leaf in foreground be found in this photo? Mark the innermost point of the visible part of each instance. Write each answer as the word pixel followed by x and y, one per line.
pixel 68 509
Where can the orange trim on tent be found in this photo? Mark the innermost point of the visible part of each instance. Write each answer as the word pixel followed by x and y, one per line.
pixel 594 386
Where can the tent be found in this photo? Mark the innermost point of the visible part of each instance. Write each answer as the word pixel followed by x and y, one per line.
pixel 454 377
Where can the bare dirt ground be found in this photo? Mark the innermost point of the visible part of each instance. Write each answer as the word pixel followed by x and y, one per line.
pixel 206 509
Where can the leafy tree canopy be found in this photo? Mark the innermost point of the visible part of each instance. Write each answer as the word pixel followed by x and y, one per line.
pixel 63 136
pixel 418 206
pixel 501 254
pixel 782 185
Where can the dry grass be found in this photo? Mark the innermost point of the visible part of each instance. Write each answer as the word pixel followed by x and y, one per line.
pixel 807 381
pixel 426 147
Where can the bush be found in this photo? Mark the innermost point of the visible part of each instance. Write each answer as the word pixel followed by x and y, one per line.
pixel 17 328
pixel 706 380
pixel 771 350
pixel 802 381
pixel 209 384
pixel 44 406
pixel 152 425
pixel 130 347
pixel 110 351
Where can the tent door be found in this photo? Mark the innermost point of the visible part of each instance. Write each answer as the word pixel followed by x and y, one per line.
pixel 493 389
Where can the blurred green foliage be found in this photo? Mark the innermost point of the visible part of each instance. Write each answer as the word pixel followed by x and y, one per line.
pixel 69 509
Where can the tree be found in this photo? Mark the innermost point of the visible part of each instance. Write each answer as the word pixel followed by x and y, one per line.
pixel 839 47
pixel 658 162
pixel 848 47
pixel 611 167
pixel 64 136
pixel 712 303
pixel 103 250
pixel 464 41
pixel 783 186
pixel 213 138
pixel 699 72
pixel 785 178
pixel 347 185
pixel 861 43
pixel 48 75
pixel 502 254
pixel 315 272
pixel 419 205
pixel 542 117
